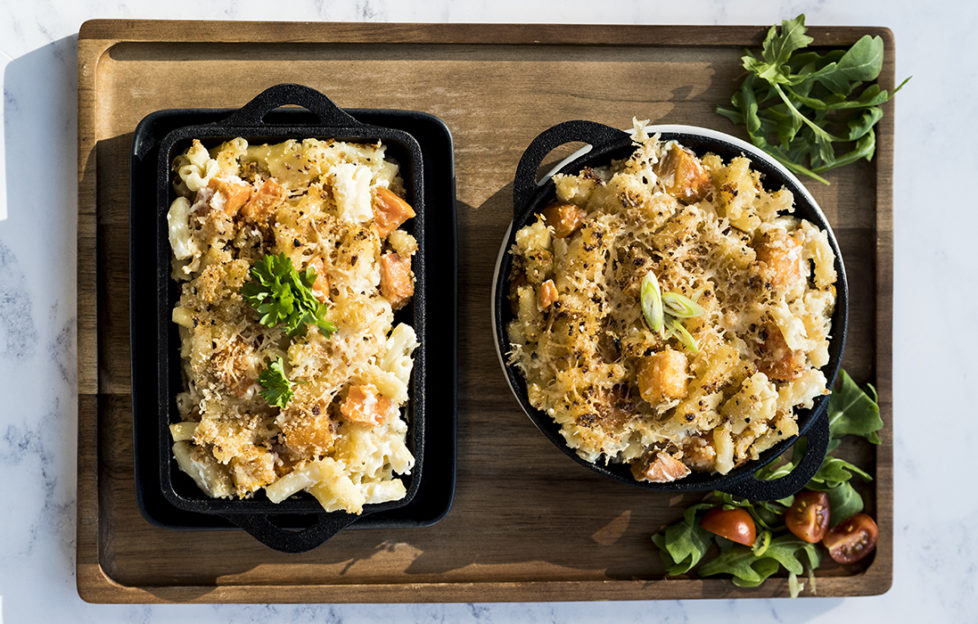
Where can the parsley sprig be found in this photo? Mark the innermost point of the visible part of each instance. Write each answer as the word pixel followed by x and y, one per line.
pixel 799 105
pixel 684 545
pixel 276 387
pixel 283 296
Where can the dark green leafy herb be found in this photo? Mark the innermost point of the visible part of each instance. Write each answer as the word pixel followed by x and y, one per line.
pixel 283 296
pixel 844 501
pixel 750 569
pixel 684 543
pixel 854 412
pixel 800 106
pixel 685 546
pixel 276 387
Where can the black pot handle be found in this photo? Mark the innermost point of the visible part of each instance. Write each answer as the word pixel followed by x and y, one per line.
pixel 292 540
pixel 253 113
pixel 790 484
pixel 590 132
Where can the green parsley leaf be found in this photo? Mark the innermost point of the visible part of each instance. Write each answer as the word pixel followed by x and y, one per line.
pixel 283 296
pixel 276 387
pixel 800 106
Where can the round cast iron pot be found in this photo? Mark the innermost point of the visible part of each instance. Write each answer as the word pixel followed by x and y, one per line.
pixel 607 144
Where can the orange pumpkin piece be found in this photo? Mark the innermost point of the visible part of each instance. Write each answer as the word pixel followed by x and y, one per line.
pixel 307 435
pixel 782 257
pixel 662 376
pixel 396 280
pixel 365 405
pixel 320 288
pixel 683 175
pixel 263 203
pixel 777 360
pixel 565 219
pixel 548 294
pixel 390 211
pixel 236 194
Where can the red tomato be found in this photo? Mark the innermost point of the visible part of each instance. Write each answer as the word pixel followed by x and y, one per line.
pixel 734 524
pixel 808 516
pixel 852 539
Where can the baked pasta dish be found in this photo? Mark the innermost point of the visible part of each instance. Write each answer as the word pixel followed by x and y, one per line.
pixel 670 313
pixel 291 262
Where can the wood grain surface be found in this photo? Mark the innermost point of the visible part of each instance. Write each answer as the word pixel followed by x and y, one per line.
pixel 527 523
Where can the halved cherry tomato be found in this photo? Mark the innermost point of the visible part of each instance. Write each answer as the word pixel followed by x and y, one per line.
pixel 734 524
pixel 808 516
pixel 852 539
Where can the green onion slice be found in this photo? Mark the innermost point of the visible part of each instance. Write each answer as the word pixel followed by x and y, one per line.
pixel 680 306
pixel 761 543
pixel 652 303
pixel 682 334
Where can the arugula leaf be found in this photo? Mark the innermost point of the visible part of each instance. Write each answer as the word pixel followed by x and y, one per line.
pixel 834 471
pixel 844 501
pixel 861 63
pixel 788 550
pixel 276 387
pixel 779 46
pixel 862 124
pixel 794 101
pixel 750 570
pixel 683 544
pixel 777 50
pixel 853 411
pixel 283 296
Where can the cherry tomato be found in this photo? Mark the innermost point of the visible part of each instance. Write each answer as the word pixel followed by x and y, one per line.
pixel 734 524
pixel 808 516
pixel 852 539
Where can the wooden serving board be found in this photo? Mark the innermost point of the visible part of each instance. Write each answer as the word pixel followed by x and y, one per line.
pixel 527 524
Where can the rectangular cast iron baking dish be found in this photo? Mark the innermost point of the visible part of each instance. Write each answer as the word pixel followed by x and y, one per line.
pixel 168 497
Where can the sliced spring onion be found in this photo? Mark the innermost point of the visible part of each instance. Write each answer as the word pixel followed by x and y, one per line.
pixel 682 334
pixel 652 303
pixel 663 311
pixel 761 543
pixel 680 306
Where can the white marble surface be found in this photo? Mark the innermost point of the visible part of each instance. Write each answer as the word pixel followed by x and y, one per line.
pixel 935 549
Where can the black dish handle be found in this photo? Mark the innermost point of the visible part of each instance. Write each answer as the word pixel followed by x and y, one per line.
pixel 253 113
pixel 590 132
pixel 818 443
pixel 292 540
